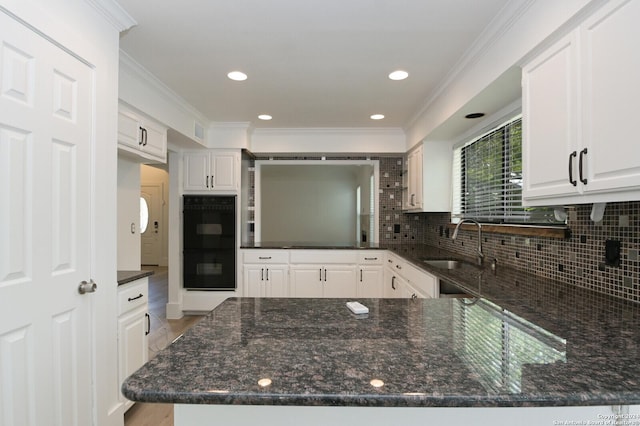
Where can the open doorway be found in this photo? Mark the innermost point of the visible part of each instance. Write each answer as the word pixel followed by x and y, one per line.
pixel 154 212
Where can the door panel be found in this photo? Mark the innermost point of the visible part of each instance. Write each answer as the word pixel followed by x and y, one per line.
pixel 46 107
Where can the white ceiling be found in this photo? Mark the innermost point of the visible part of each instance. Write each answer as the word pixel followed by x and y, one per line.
pixel 311 63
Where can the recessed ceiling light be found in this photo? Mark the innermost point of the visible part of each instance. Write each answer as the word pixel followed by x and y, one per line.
pixel 265 117
pixel 237 76
pixel 398 75
pixel 474 115
pixel 377 117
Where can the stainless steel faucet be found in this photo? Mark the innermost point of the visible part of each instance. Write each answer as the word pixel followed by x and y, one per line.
pixel 455 235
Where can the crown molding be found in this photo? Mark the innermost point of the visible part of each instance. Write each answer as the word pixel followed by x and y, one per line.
pixel 113 13
pixel 230 125
pixel 131 66
pixel 494 31
pixel 330 130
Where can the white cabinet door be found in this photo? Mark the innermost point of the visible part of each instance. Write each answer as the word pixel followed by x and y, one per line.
pixel 266 281
pixel 277 279
pixel 611 66
pixel 414 160
pixel 155 140
pixel 340 281
pixel 370 282
pixel 579 136
pixel 133 347
pixel 141 135
pixel 196 171
pixel 128 129
pixel 393 284
pixel 253 281
pixel 306 281
pixel 321 281
pixel 550 126
pixel 211 171
pixel 46 142
pixel 223 171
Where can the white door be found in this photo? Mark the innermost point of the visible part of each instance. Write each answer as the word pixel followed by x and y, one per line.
pixel 46 108
pixel 151 238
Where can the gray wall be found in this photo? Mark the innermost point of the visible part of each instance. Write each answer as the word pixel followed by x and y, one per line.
pixel 308 203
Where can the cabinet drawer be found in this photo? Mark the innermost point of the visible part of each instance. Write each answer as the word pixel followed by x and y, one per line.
pixel 324 256
pixel 371 257
pixel 265 256
pixel 133 295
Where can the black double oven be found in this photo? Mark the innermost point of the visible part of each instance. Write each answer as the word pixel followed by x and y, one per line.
pixel 209 244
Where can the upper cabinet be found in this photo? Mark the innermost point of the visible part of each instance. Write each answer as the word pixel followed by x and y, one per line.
pixel 579 97
pixel 141 135
pixel 414 179
pixel 211 170
pixel 427 180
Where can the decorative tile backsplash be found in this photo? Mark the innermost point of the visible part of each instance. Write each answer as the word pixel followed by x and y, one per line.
pixel 578 260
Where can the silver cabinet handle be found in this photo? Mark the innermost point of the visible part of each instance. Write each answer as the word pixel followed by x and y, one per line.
pixel 360 275
pixel 370 258
pixel 87 287
pixel 262 274
pixel 393 283
pixel 267 274
pixel 207 181
pixel 264 257
pixel 320 274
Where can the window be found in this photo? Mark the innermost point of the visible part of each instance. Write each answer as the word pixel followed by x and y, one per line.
pixel 144 215
pixel 487 180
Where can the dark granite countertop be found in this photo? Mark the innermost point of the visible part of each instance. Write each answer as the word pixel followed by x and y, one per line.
pixel 128 276
pixel 524 341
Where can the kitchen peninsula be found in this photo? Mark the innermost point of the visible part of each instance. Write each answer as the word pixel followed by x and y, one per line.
pixel 522 341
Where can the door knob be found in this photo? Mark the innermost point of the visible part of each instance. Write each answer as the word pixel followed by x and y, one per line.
pixel 87 287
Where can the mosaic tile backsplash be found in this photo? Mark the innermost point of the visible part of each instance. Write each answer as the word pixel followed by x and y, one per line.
pixel 578 260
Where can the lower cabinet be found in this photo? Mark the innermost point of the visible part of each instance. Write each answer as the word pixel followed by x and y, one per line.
pixel 266 280
pixel 266 273
pixel 393 284
pixel 370 282
pixel 133 329
pixel 406 281
pixel 323 281
pixel 333 274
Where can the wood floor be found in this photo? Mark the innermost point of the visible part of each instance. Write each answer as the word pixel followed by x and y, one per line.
pixel 163 332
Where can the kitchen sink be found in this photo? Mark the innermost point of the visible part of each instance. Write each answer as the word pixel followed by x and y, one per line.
pixel 445 263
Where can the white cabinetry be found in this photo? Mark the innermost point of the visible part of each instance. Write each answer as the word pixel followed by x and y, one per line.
pixel 414 179
pixel 266 273
pixel 323 273
pixel 579 96
pixel 370 275
pixel 140 135
pixel 405 280
pixel 133 328
pixel 428 178
pixel 211 170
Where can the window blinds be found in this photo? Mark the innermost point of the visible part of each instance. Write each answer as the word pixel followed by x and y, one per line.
pixel 487 180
